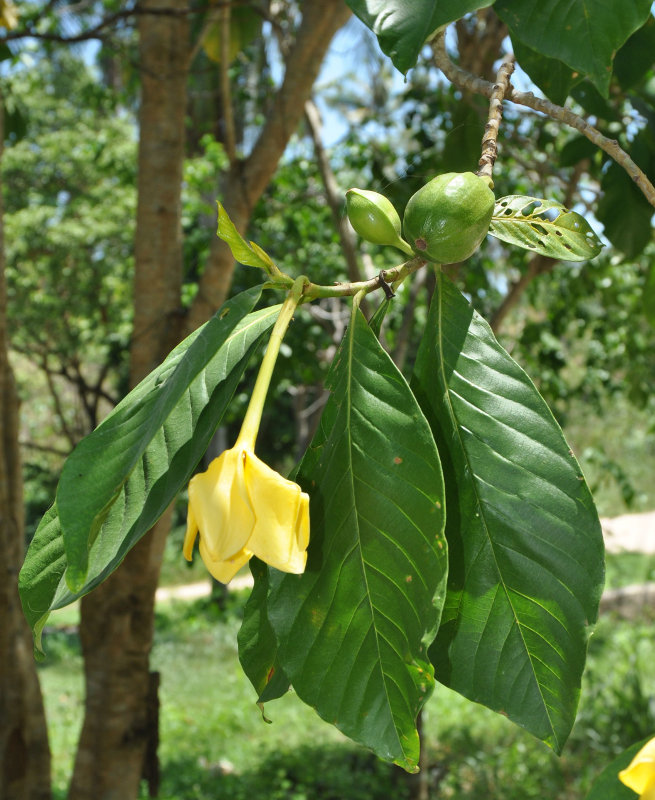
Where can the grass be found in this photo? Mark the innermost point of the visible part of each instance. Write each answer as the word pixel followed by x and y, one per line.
pixel 215 744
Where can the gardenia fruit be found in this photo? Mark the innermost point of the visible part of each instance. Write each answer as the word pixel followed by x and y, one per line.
pixel 448 218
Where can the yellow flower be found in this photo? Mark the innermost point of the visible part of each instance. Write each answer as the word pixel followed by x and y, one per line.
pixel 241 507
pixel 639 775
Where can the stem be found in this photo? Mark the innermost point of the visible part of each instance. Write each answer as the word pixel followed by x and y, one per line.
pixel 465 80
pixel 490 137
pixel 347 289
pixel 250 427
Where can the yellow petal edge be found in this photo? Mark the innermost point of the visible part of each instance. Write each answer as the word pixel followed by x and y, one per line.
pixel 639 775
pixel 240 507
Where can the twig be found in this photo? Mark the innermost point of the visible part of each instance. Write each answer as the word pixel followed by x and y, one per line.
pixel 313 290
pixel 465 80
pixel 490 136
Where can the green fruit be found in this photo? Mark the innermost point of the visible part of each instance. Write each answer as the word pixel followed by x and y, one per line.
pixel 448 218
pixel 374 218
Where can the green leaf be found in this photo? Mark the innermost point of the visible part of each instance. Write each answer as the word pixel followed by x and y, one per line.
pixel 545 227
pixel 149 464
pixel 525 543
pixel 607 785
pixel 249 254
pixel 354 629
pixel 624 212
pixel 462 145
pixel 635 59
pixel 593 101
pixel 576 150
pixel 257 642
pixel 377 318
pixel 585 34
pixel 554 78
pixel 403 26
pixel 140 431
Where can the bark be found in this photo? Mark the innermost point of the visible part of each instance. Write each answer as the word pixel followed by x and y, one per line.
pixel 247 179
pixel 118 739
pixel 24 751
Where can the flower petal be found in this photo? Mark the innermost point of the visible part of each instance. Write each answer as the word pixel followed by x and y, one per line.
pixel 281 531
pixel 225 570
pixel 219 502
pixel 190 535
pixel 639 775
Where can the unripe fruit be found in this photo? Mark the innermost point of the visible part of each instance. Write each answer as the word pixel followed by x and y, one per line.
pixel 448 218
pixel 374 218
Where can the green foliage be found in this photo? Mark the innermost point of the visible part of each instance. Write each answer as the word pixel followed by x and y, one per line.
pixel 587 41
pixel 355 635
pixel 526 550
pixel 230 753
pixel 353 631
pixel 137 460
pixel 403 27
pixel 69 252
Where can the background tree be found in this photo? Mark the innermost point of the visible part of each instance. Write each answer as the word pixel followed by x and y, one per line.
pixel 24 751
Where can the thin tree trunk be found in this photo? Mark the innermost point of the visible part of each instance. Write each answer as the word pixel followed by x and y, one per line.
pixel 24 751
pixel 120 723
pixel 247 179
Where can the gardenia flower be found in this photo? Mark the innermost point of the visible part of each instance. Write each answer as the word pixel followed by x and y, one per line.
pixel 639 775
pixel 241 507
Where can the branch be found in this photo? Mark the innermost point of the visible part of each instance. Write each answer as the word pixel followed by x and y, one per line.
pixel 334 196
pixel 490 136
pixel 97 30
pixel 393 275
pixel 465 80
pixel 247 179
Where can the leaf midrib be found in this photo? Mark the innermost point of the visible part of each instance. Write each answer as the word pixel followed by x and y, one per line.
pixel 482 516
pixel 362 562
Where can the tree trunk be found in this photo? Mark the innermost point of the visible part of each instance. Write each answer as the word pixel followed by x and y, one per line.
pixel 24 751
pixel 120 723
pixel 248 178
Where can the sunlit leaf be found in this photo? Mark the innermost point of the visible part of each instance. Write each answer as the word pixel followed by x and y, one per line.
pixel 402 27
pixel 585 34
pixel 545 227
pixel 248 254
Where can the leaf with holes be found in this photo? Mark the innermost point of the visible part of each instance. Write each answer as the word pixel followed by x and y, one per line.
pixel 525 544
pixel 545 227
pixel 122 477
pixel 354 629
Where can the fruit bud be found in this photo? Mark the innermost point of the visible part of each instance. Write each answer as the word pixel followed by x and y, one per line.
pixel 374 218
pixel 447 219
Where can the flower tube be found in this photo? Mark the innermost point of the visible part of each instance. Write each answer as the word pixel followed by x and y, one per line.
pixel 240 507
